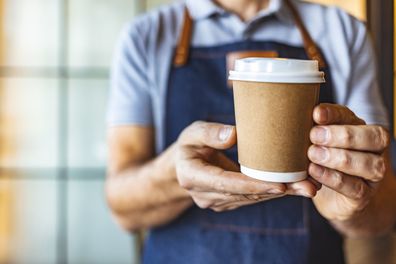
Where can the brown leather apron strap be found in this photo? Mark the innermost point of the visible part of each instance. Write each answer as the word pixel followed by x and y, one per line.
pixel 183 47
pixel 309 45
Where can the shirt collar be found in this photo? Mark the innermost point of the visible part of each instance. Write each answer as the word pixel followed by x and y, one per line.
pixel 201 9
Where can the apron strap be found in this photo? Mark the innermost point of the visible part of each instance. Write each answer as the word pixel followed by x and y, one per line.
pixel 310 47
pixel 183 46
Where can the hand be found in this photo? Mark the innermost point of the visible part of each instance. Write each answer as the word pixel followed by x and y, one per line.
pixel 213 180
pixel 347 159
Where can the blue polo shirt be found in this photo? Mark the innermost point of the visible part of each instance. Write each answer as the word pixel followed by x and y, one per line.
pixel 144 53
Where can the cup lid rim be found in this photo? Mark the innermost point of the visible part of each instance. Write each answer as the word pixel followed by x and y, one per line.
pixel 277 70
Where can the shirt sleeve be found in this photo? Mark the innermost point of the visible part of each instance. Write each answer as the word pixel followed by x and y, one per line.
pixel 365 98
pixel 129 99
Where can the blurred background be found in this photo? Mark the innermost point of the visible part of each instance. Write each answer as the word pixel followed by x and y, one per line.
pixel 54 69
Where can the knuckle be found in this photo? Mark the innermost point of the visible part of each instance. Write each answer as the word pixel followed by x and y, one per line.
pixel 361 191
pixel 196 125
pixel 185 183
pixel 186 179
pixel 379 168
pixel 185 134
pixel 338 179
pixel 203 204
pixel 383 137
pixel 193 128
pixel 183 138
pixel 238 198
pixel 203 128
pixel 219 186
pixel 346 136
pixel 345 160
pixel 338 111
pixel 255 197
pixel 231 208
pixel 361 205
pixel 180 154
pixel 218 209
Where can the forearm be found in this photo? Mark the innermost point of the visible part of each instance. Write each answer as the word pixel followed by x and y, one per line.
pixel 378 217
pixel 147 195
pixel 152 217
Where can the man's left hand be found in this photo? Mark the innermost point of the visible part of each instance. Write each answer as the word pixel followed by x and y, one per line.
pixel 347 159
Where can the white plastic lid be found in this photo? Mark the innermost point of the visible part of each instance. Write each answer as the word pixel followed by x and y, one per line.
pixel 277 71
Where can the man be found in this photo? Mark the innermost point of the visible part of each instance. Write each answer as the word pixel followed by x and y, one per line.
pixel 173 168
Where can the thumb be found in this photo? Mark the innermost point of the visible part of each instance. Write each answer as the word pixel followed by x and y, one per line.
pixel 204 134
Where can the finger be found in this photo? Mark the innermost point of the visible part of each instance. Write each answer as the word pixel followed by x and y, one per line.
pixel 317 184
pixel 206 200
pixel 213 135
pixel 347 185
pixel 365 138
pixel 362 164
pixel 199 175
pixel 226 206
pixel 302 188
pixel 235 205
pixel 229 207
pixel 332 114
pixel 224 162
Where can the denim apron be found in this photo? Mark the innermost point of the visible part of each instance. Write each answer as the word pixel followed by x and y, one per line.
pixel 284 230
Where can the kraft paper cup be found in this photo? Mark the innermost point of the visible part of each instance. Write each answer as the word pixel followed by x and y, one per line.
pixel 274 100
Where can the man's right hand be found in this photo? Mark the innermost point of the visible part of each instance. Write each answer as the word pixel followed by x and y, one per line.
pixel 214 181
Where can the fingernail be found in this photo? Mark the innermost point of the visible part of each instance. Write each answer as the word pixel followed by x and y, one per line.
pixel 225 133
pixel 320 135
pixel 323 115
pixel 318 154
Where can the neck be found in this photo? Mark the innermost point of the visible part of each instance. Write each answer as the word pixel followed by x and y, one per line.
pixel 244 9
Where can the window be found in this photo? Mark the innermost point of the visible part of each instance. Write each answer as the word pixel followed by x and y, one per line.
pixel 54 63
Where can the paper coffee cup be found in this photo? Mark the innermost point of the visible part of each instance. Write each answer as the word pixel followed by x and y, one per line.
pixel 274 100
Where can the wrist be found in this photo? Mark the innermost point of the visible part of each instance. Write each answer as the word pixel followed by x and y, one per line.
pixel 164 166
pixel 376 219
